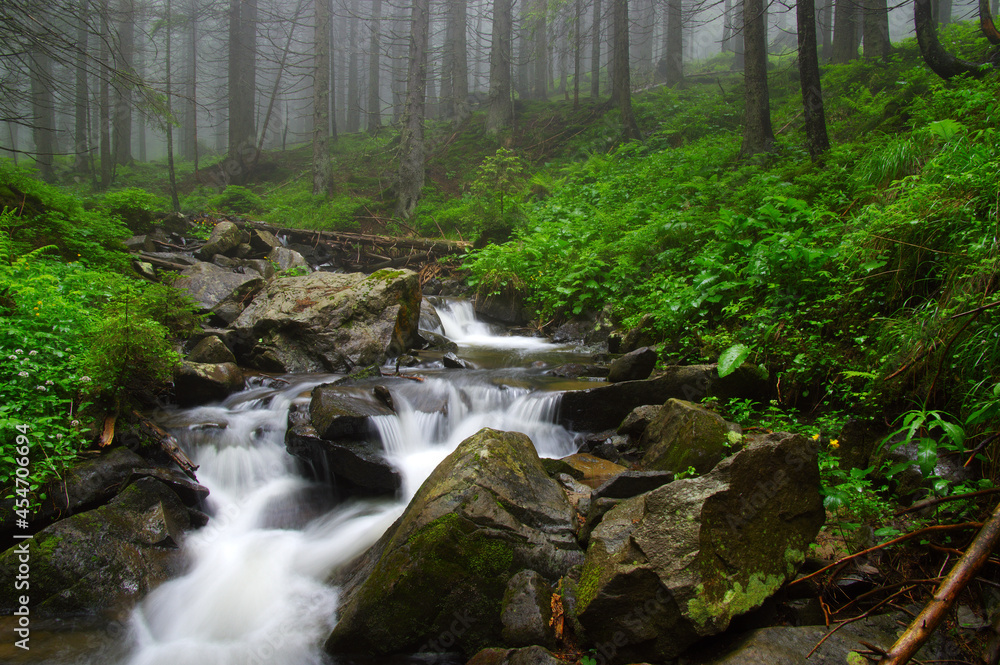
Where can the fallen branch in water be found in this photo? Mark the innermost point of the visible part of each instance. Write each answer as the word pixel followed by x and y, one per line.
pixel 169 445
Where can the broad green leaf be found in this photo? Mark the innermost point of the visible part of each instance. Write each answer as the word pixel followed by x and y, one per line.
pixel 732 358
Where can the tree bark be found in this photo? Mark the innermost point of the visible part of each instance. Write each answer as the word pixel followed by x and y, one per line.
pixel 825 27
pixel 411 161
pixel 674 72
pixel 941 62
pixel 621 82
pixel 321 99
pixel 577 48
pixel 817 140
pixel 81 149
pixel 845 31
pixel 986 23
pixel 455 81
pixel 876 30
pixel 189 130
pixel 353 123
pixel 540 79
pixel 727 27
pixel 122 120
pixel 242 81
pixel 944 11
pixel 595 53
pixel 104 110
pixel 500 113
pixel 374 64
pixel 757 133
pixel 739 41
pixel 43 117
pixel 175 204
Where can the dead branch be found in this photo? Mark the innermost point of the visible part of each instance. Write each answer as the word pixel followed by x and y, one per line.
pixel 168 444
pixel 920 505
pixel 959 577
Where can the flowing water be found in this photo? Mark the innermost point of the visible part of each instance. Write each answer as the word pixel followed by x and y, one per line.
pixel 255 590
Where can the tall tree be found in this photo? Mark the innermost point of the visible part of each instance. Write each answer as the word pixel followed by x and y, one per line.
pixel 411 135
pixel 727 27
pixel 621 81
pixel 577 48
pixel 104 99
pixel 189 128
pixel 540 53
pixel 81 162
pixel 374 67
pixel 739 42
pixel 674 56
pixel 242 80
pixel 500 113
pixel 825 27
pixel 353 123
pixel 941 62
pixel 595 52
pixel 845 31
pixel 812 92
pixel 876 30
pixel 43 116
pixel 757 133
pixel 122 119
pixel 321 98
pixel 455 79
pixel 175 204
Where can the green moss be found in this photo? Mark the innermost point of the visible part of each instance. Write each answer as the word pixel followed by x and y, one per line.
pixel 386 275
pixel 590 578
pixel 704 610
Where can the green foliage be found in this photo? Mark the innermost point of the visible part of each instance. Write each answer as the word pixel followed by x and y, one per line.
pixel 237 200
pixel 134 206
pixel 498 187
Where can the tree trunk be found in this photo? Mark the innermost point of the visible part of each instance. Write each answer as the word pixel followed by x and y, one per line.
pixel 523 80
pixel 876 30
pixel 739 42
pixel 175 204
pixel 727 27
pixel 455 79
pixel 595 53
pixel 825 27
pixel 189 129
pixel 81 138
pixel 541 50
pixel 577 48
pixel 941 62
pixel 353 123
pixel 104 112
pixel 122 140
pixel 621 83
pixel 812 93
pixel 944 11
pixel 500 113
pixel 374 63
pixel 411 138
pixel 986 23
pixel 43 118
pixel 674 71
pixel 242 81
pixel 321 99
pixel 845 30
pixel 757 133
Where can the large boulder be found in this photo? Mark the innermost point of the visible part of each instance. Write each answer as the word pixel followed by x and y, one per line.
pixel 209 284
pixel 199 383
pixel 341 413
pixel 224 239
pixel 686 435
pixel 674 565
pixel 604 407
pixel 487 512
pixel 633 366
pixel 330 321
pixel 101 562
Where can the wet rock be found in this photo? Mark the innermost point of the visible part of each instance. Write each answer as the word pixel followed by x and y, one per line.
pixel 286 258
pixel 686 435
pixel 676 564
pixel 576 370
pixel 638 419
pixel 438 342
pixel 533 655
pixel 633 366
pixel 329 321
pixel 527 610
pixel 451 361
pixel 262 242
pixel 588 469
pixel 605 407
pixel 200 383
pixel 339 414
pixel 99 563
pixel 211 349
pixel 348 468
pixel 209 284
pixel 633 483
pixel 224 239
pixel 638 337
pixel 506 308
pixel 230 307
pixel 140 244
pixel 430 321
pixel 487 512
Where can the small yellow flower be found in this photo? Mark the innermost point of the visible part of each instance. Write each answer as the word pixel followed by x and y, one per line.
pixel 815 437
pixel 834 444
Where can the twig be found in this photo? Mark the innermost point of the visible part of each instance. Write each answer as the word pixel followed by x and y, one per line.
pixel 920 505
pixel 978 449
pixel 976 310
pixel 910 244
pixel 857 618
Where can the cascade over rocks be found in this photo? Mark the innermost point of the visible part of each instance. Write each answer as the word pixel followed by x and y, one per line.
pixel 487 512
pixel 329 321
pixel 602 408
pixel 676 564
pixel 101 562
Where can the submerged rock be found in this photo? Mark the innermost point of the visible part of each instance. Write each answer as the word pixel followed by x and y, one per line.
pixel 487 512
pixel 330 321
pixel 676 564
pixel 101 562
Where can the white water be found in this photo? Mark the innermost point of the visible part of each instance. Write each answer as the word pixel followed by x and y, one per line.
pixel 255 590
pixel 460 325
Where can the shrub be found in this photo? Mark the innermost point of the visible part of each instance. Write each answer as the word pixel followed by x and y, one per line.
pixel 237 200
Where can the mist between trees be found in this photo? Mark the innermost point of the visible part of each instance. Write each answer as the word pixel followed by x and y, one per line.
pixel 109 80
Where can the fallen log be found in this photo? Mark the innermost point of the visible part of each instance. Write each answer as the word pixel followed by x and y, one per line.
pixel 436 245
pixel 169 445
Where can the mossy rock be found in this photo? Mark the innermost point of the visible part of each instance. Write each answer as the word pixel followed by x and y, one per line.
pixel 487 511
pixel 686 435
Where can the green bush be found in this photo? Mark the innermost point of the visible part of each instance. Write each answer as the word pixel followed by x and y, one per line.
pixel 134 206
pixel 237 200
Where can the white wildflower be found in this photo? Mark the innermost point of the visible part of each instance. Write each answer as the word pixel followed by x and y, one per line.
pixel 33 353
pixel 23 374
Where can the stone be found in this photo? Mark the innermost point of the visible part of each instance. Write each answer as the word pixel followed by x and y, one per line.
pixel 140 244
pixel 638 419
pixel 224 239
pixel 638 337
pixel 209 284
pixel 438 342
pixel 353 468
pixel 262 242
pixel 633 366
pixel 910 484
pixel 101 562
pixel 200 383
pixel 505 308
pixel 686 435
pixel 339 413
pixel 451 361
pixel 286 258
pixel 633 483
pixel 487 512
pixel 211 349
pixel 677 564
pixel 533 655
pixel 526 611
pixel 329 322
pixel 588 469
pixel 604 407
